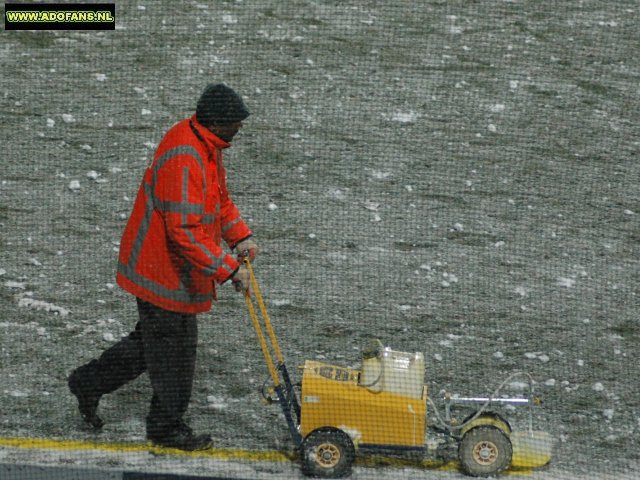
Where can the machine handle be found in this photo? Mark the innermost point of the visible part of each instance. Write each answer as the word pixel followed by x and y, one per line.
pixel 267 323
pixel 263 310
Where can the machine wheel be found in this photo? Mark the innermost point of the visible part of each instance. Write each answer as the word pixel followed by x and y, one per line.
pixel 327 454
pixel 485 451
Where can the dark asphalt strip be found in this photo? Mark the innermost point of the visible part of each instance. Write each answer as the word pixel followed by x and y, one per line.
pixel 33 472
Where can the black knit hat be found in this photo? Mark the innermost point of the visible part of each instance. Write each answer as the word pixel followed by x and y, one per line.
pixel 220 104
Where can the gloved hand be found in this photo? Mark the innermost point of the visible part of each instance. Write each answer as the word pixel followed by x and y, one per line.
pixel 246 248
pixel 241 280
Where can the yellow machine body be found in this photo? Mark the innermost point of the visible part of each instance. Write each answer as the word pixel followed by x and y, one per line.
pixel 332 397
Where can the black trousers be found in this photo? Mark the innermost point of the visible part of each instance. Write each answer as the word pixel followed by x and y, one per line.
pixel 163 344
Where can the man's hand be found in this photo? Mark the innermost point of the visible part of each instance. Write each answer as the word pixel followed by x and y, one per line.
pixel 247 248
pixel 241 280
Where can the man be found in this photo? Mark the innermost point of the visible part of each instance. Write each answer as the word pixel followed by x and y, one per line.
pixel 170 260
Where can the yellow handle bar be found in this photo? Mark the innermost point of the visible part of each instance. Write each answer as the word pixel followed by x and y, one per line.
pixel 268 356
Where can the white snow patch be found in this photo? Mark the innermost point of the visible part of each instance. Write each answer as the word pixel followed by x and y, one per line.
pixel 450 277
pixel 74 185
pixel 281 302
pixel 2 272
pixel 437 357
pixel 520 291
pixel 519 385
pixel 537 355
pixel 16 285
pixel 497 108
pixel 608 413
pixel 229 19
pixel 50 122
pixel 272 206
pixel 216 403
pixel 18 394
pixel 100 77
pixel 551 382
pixel 597 387
pixel 145 111
pixel 337 194
pixel 108 337
pixel 492 128
pixel 405 117
pixel 371 205
pixel 380 175
pixel 566 282
pixel 68 118
pixel 498 355
pixel 93 175
pixel 629 212
pixel 29 302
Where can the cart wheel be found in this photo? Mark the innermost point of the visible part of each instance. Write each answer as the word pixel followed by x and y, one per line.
pixel 327 454
pixel 484 451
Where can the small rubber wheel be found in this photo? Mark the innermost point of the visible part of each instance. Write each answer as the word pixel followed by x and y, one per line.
pixel 484 451
pixel 327 454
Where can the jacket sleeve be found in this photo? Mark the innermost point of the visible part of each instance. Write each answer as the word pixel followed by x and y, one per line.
pixel 179 197
pixel 234 229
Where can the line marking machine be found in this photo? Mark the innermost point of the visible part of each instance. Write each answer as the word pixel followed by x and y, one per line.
pixel 382 408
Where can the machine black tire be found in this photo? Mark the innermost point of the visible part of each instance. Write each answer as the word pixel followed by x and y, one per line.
pixel 485 451
pixel 327 453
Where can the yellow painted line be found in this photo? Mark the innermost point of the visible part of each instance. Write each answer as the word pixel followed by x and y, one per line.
pixel 399 462
pixel 427 464
pixel 217 453
pixel 227 453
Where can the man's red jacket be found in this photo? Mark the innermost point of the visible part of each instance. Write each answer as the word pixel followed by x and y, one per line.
pixel 170 253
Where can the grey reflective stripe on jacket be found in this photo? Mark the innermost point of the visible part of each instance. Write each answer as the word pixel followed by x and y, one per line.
pixel 184 208
pixel 216 261
pixel 160 290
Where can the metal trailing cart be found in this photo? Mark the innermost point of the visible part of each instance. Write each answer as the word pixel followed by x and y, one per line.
pixel 382 407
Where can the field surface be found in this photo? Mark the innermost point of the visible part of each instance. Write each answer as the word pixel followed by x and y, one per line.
pixel 458 178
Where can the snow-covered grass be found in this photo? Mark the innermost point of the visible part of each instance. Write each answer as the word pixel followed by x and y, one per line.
pixel 455 178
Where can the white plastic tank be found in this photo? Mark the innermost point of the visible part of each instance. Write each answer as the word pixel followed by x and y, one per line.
pixel 387 370
pixel 403 373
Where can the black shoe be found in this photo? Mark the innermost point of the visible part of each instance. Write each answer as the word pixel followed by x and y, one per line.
pixel 87 404
pixel 182 438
